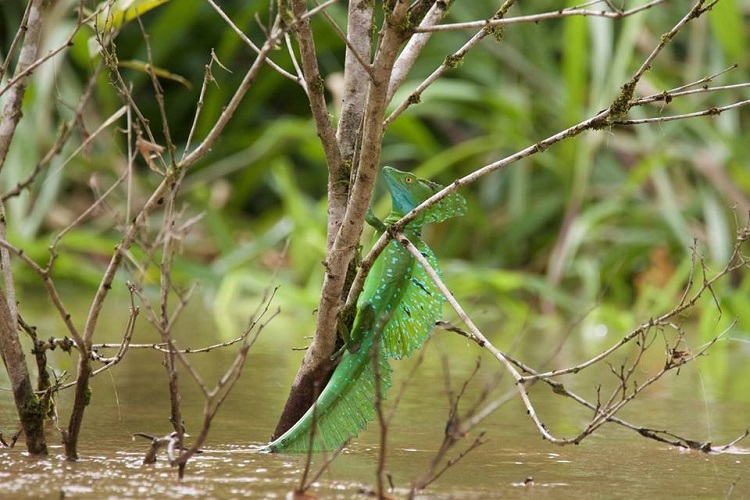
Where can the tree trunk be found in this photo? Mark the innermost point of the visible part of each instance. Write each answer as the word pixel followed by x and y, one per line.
pixel 30 409
pixel 345 222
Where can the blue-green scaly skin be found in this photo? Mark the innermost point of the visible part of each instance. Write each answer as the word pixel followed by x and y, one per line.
pixel 400 302
pixel 401 287
pixel 337 414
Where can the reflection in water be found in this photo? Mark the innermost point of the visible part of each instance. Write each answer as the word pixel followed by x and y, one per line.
pixel 614 462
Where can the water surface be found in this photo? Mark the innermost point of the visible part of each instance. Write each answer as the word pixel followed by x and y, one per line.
pixel 614 463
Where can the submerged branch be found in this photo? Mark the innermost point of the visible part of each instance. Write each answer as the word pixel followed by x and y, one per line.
pixel 736 261
pixel 675 356
pixel 627 388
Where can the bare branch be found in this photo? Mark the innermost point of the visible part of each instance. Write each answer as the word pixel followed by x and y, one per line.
pixel 341 251
pixel 295 63
pixel 686 303
pixel 314 82
pixel 714 111
pixel 412 50
pixel 594 122
pixel 356 78
pixel 122 347
pixel 9 118
pixel 695 12
pixel 65 133
pixel 237 97
pixel 668 95
pixel 249 43
pixel 207 77
pixel 27 61
pixel 16 40
pixel 49 285
pixel 216 396
pixel 479 337
pixel 159 94
pixel 605 118
pixel 535 18
pixel 450 62
pixel 351 48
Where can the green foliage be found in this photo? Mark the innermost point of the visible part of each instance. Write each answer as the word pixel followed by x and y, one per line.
pixel 726 24
pixel 572 228
pixel 112 16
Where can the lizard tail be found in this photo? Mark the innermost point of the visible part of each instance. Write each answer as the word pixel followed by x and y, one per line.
pixel 344 407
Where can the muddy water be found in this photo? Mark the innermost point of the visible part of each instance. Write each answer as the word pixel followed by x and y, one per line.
pixel 700 403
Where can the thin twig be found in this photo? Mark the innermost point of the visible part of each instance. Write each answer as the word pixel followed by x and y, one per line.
pixel 603 119
pixel 535 18
pixel 414 47
pixel 481 339
pixel 16 40
pixel 215 397
pixel 207 77
pixel 30 62
pixel 66 132
pixel 714 111
pixel 735 262
pixel 364 64
pixel 249 43
pixel 234 103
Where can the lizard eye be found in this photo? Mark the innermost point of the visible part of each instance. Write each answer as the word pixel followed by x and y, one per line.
pixel 408 179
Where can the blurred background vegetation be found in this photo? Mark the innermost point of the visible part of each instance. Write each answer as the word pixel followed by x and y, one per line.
pixel 598 229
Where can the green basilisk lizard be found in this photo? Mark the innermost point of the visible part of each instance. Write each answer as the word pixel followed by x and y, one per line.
pixel 398 306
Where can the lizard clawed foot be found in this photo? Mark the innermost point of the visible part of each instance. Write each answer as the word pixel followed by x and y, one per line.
pixel 346 347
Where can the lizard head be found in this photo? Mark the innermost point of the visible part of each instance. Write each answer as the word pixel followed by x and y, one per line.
pixel 408 191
